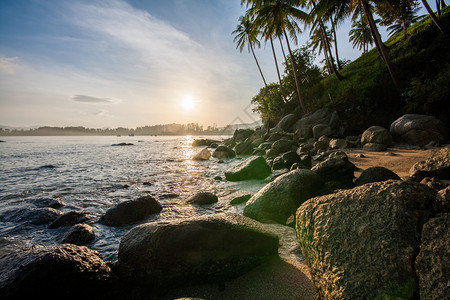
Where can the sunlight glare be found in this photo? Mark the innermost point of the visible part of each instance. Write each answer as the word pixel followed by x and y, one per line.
pixel 188 103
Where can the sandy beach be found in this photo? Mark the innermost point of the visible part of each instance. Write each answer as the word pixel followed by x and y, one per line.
pixel 289 277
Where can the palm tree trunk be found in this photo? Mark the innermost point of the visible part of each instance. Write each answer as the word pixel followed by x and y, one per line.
pixel 278 70
pixel 333 26
pixel 259 68
pixel 282 49
pixel 328 49
pixel 297 84
pixel 327 59
pixel 433 16
pixel 438 8
pixel 379 44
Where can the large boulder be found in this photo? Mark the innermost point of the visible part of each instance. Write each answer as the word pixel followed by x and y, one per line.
pixel 362 242
pixel 223 152
pixel 279 199
pixel 336 169
pixel 419 130
pixel 203 198
pixel 241 135
pixel 211 248
pixel 244 148
pixel 287 122
pixel 34 216
pixel 203 154
pixel 254 167
pixel 376 138
pixel 376 174
pixel 281 146
pixel 71 218
pixel 433 261
pixel 437 165
pixel 131 211
pixel 79 234
pixel 325 116
pixel 66 271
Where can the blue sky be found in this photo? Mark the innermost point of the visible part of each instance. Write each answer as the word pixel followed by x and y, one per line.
pixel 127 63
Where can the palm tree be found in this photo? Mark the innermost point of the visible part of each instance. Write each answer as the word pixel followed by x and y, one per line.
pixel 433 16
pixel 360 35
pixel 280 17
pixel 339 5
pixel 245 34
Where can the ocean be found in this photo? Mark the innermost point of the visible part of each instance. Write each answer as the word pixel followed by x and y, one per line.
pixel 89 174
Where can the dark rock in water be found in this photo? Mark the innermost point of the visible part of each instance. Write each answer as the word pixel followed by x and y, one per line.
pixel 79 234
pixel 223 152
pixel 376 174
pixel 376 138
pixel 123 144
pixel 255 167
pixel 336 168
pixel 437 165
pixel 203 142
pixel 204 154
pixel 66 271
pixel 418 130
pixel 44 167
pixel 206 249
pixel 131 211
pixel 279 199
pixel 1 141
pixel 203 198
pixel 34 216
pixel 168 196
pixel 46 202
pixel 70 218
pixel 433 262
pixel 363 241
pixel 240 199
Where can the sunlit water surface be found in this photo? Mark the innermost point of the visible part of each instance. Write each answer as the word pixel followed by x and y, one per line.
pixel 89 174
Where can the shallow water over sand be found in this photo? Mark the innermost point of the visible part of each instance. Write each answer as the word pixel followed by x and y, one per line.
pixel 89 174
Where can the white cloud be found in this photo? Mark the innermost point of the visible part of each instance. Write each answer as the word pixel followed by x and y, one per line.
pixel 91 100
pixel 9 65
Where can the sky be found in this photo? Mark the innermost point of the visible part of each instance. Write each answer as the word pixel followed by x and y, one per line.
pixel 129 63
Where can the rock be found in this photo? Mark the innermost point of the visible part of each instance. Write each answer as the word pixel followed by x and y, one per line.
pixel 123 144
pixel 206 249
pixel 376 174
pixel 376 138
pixel 281 146
pixel 336 168
pixel 362 242
pixel 443 200
pixel 289 158
pixel 203 142
pixel 433 262
pixel 243 148
pixel 322 116
pixel 64 271
pixel 320 146
pixel 338 144
pixel 287 122
pixel 418 130
pixel 79 234
pixel 321 130
pixel 223 152
pixel 203 198
pixel 303 133
pixel 279 199
pixel 204 154
pixel 278 163
pixel 437 165
pixel 254 167
pixel 46 202
pixel 70 218
pixel 240 199
pixel 241 135
pixel 131 211
pixel 34 216
pixel 434 183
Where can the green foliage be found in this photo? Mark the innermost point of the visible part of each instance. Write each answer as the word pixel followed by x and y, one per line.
pixel 269 103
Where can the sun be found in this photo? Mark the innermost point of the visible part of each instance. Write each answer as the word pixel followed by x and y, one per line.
pixel 188 103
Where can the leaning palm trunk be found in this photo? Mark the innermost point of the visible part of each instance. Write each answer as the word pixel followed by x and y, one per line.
pixel 433 16
pixel 297 84
pixel 328 49
pixel 335 44
pixel 379 44
pixel 278 71
pixel 259 68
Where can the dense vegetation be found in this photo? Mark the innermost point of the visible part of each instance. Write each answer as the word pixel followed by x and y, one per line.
pixel 413 76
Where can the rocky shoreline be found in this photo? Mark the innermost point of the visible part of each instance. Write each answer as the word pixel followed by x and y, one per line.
pixel 378 235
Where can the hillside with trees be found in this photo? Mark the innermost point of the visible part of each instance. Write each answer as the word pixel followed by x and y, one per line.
pixel 408 73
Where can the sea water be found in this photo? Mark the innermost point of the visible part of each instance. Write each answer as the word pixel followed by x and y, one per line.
pixel 89 174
